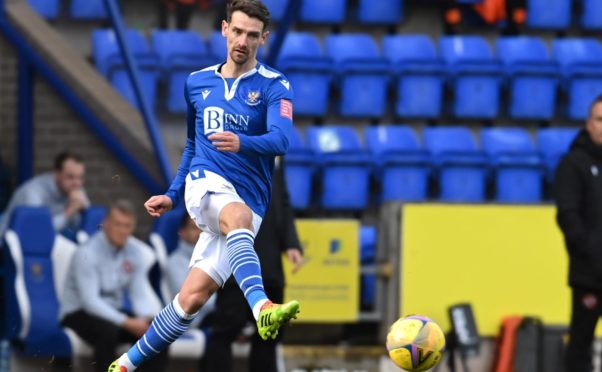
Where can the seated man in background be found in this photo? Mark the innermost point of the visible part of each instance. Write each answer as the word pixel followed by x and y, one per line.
pixel 106 268
pixel 180 258
pixel 61 190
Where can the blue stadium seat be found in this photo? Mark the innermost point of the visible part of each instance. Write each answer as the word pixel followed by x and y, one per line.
pixel 580 63
pixel 31 284
pixel 363 74
pixel 180 53
pixel 590 14
pixel 48 9
pixel 475 76
pixel 323 11
pixel 552 144
pixel 303 62
pixel 381 12
pixel 368 235
pixel 277 8
pixel 518 166
pixel 461 169
pixel 92 218
pixel 532 77
pixel 549 14
pixel 402 166
pixel 107 58
pixel 299 171
pixel 88 9
pixel 346 167
pixel 420 75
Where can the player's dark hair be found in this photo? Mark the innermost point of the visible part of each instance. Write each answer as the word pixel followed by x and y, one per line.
pixel 596 100
pixel 252 8
pixel 62 157
pixel 124 206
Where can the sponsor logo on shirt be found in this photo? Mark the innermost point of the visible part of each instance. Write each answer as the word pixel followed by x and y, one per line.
pixel 286 109
pixel 216 120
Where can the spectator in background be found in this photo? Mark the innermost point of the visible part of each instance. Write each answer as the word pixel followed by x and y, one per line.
pixel 182 10
pixel 61 190
pixel 103 270
pixel 277 235
pixel 578 194
pixel 179 259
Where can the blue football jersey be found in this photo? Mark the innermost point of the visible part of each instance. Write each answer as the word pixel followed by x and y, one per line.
pixel 258 108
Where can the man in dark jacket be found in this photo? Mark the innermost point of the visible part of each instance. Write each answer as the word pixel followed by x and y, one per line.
pixel 276 235
pixel 578 194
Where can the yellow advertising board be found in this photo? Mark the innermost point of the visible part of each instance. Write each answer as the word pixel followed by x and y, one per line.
pixel 327 284
pixel 504 260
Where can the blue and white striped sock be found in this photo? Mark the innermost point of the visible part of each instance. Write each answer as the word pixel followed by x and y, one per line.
pixel 171 322
pixel 245 267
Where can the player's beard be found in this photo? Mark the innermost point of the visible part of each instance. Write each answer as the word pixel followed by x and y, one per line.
pixel 240 58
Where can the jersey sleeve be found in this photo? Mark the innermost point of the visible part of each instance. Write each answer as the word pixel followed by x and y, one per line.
pixel 176 188
pixel 279 122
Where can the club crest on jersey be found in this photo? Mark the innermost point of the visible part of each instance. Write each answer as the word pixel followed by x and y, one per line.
pixel 253 98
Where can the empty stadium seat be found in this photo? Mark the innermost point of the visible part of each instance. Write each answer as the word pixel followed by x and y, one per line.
pixel 299 172
pixel 475 76
pixel 92 218
pixel 553 143
pixel 384 12
pixel 532 77
pixel 277 8
pixel 368 235
pixel 461 169
pixel 303 62
pixel 549 14
pixel 580 63
pixel 323 11
pixel 590 14
pixel 362 74
pixel 49 9
pixel 88 9
pixel 420 75
pixel 31 293
pixel 180 53
pixel 107 57
pixel 518 166
pixel 402 166
pixel 346 167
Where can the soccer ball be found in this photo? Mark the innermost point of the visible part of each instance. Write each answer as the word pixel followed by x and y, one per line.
pixel 415 343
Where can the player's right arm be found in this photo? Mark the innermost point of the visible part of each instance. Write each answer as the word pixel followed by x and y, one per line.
pixel 159 204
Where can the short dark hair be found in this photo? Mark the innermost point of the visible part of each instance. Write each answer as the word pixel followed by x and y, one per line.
pixel 62 157
pixel 252 8
pixel 596 100
pixel 124 206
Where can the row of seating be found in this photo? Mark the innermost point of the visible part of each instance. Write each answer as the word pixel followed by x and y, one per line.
pixel 355 67
pixel 402 165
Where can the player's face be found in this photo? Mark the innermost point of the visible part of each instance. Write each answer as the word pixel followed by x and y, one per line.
pixel 118 226
pixel 190 232
pixel 243 35
pixel 70 177
pixel 594 124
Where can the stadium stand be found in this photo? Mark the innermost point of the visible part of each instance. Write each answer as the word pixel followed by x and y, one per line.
pixel 277 8
pixel 49 9
pixel 553 143
pixel 88 9
pixel 299 172
pixel 368 235
pixel 319 11
pixel 590 10
pixel 380 12
pixel 549 14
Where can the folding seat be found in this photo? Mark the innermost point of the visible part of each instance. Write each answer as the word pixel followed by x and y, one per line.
pixel 48 9
pixel 91 221
pixel 368 235
pixel 299 172
pixel 402 166
pixel 180 53
pixel 580 63
pixel 88 9
pixel 420 75
pixel 475 76
pixel 460 168
pixel 277 8
pixel 590 14
pixel 517 165
pixel 303 62
pixel 323 11
pixel 107 58
pixel 552 144
pixel 549 14
pixel 380 12
pixel 532 77
pixel 346 167
pixel 362 74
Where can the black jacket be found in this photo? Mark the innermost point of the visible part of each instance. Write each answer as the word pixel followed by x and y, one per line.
pixel 578 194
pixel 277 232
